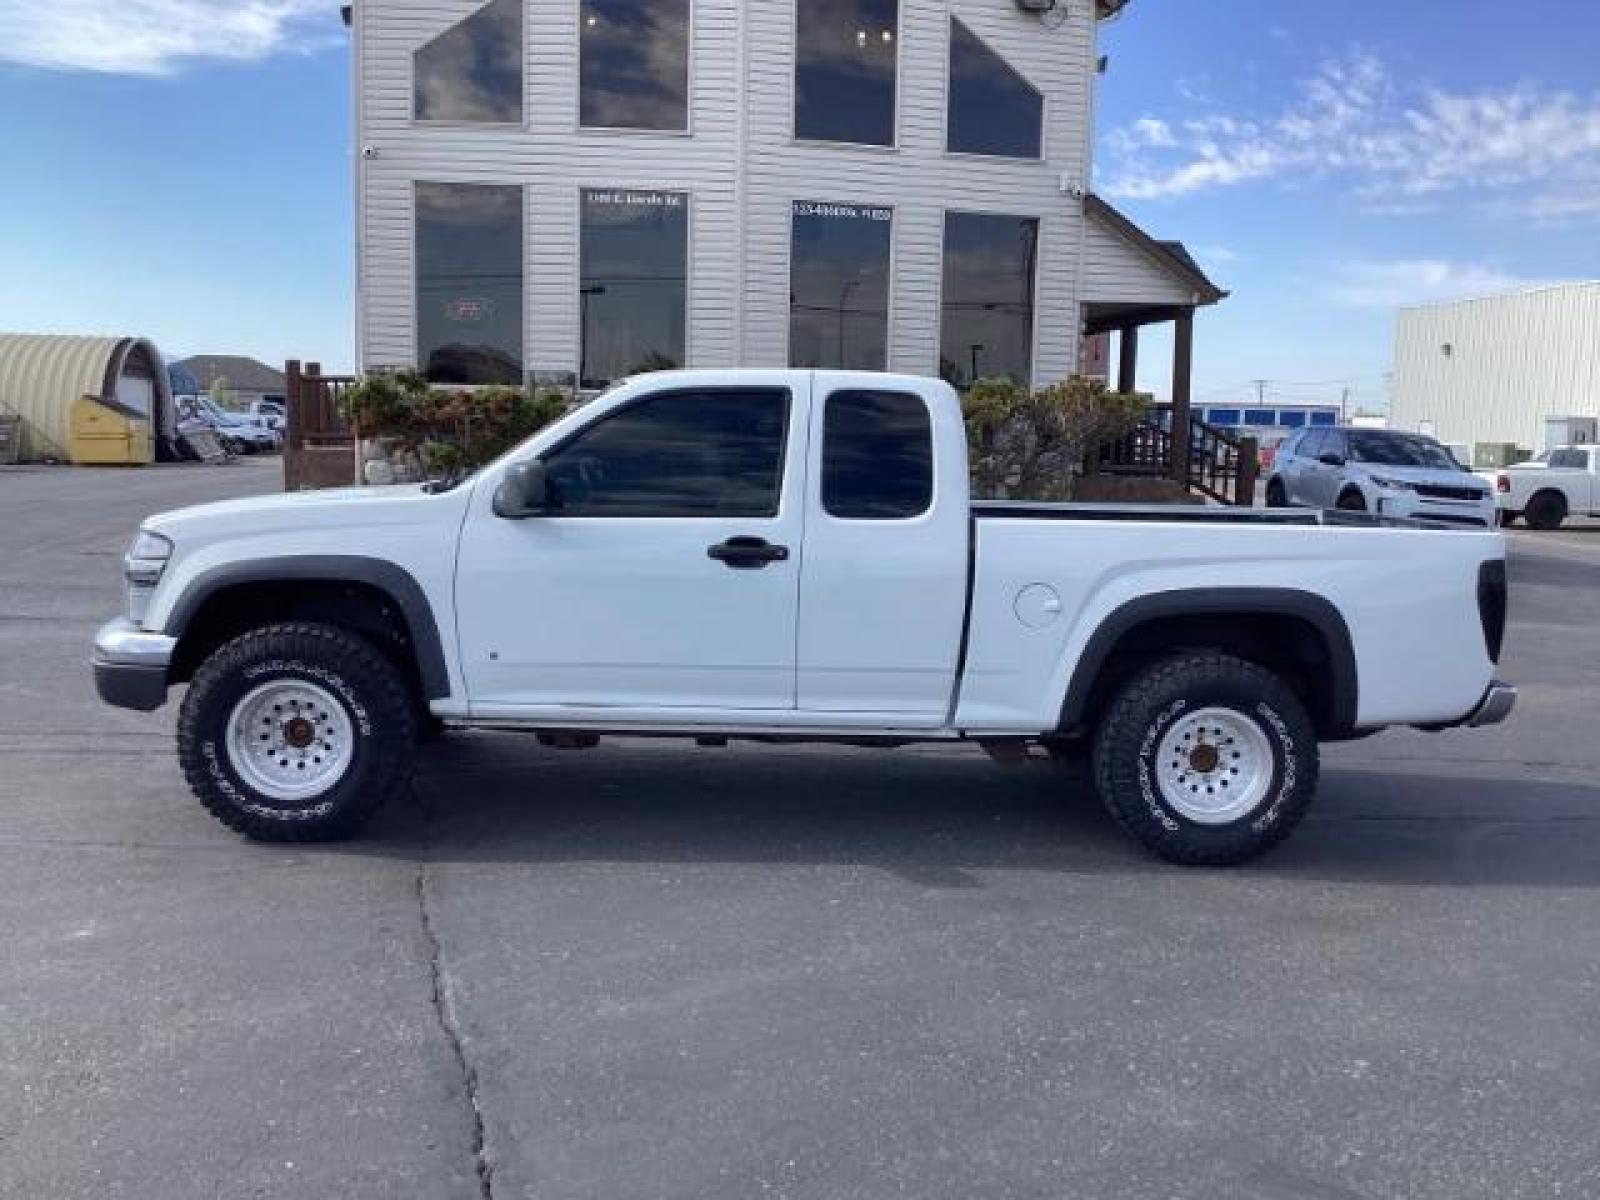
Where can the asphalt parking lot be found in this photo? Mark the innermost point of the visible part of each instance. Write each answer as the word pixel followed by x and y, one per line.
pixel 652 970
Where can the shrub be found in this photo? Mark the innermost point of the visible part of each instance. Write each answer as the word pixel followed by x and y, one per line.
pixel 448 429
pixel 1031 445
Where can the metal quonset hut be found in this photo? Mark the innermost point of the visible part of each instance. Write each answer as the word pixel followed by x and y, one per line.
pixel 46 378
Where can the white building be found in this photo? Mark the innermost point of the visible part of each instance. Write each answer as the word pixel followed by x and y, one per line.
pixel 1495 370
pixel 591 187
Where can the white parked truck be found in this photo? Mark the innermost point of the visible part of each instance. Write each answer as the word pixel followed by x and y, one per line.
pixel 793 556
pixel 1566 484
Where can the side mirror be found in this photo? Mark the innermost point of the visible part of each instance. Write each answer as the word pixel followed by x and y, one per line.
pixel 1330 460
pixel 523 493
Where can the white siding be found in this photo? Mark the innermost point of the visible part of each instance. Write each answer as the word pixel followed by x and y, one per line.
pixel 1115 271
pixel 742 168
pixel 1513 361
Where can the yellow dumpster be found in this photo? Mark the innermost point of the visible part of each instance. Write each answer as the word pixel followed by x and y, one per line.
pixel 107 434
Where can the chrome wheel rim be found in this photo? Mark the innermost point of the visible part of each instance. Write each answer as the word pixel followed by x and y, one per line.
pixel 290 740
pixel 1214 766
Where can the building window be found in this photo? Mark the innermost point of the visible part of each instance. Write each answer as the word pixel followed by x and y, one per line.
pixel 845 65
pixel 1324 418
pixel 877 456
pixel 711 453
pixel 1226 417
pixel 472 71
pixel 839 286
pixel 632 296
pixel 992 109
pixel 469 282
pixel 634 64
pixel 986 319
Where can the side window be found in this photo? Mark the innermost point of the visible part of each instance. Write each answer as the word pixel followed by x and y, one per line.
pixel 472 72
pixel 846 60
pixel 692 453
pixel 1333 442
pixel 877 456
pixel 1304 445
pixel 992 109
pixel 1575 459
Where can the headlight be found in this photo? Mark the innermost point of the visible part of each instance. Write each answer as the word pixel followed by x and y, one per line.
pixel 1393 485
pixel 142 567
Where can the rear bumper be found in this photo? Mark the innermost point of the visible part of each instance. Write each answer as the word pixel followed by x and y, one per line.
pixel 130 665
pixel 1496 705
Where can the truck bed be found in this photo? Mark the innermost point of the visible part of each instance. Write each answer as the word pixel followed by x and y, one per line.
pixel 1200 514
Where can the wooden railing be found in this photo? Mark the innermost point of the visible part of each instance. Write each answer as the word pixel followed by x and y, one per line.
pixel 319 448
pixel 1221 467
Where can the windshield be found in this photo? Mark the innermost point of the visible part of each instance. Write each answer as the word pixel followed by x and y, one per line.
pixel 1399 450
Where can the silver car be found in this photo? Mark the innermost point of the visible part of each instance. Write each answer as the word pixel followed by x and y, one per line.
pixel 1381 471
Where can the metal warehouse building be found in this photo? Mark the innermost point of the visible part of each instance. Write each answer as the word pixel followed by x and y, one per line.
pixel 86 399
pixel 1494 370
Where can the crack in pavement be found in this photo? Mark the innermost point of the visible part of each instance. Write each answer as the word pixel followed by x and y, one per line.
pixel 444 1007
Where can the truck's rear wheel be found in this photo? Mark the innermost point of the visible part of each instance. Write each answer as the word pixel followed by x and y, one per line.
pixel 296 732
pixel 1546 511
pixel 1206 759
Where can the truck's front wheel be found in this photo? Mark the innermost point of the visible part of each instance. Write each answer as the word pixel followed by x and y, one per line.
pixel 1206 759
pixel 296 732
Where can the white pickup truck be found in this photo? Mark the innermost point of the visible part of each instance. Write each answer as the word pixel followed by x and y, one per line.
pixel 792 556
pixel 1566 484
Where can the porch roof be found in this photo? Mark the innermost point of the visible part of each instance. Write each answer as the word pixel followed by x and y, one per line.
pixel 1131 278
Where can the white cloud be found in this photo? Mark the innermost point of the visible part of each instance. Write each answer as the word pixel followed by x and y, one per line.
pixel 1397 147
pixel 1420 281
pixel 155 37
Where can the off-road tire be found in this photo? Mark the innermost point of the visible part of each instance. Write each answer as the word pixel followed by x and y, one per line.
pixel 377 702
pixel 1145 708
pixel 1545 511
pixel 1277 497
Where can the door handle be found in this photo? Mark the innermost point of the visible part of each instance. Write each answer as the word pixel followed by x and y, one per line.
pixel 747 553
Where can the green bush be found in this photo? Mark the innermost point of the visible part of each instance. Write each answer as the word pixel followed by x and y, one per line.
pixel 1031 445
pixel 448 429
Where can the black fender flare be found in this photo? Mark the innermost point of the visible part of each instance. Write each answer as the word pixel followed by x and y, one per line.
pixel 393 581
pixel 1317 611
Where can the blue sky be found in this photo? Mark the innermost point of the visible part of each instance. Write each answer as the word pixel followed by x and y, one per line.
pixel 180 168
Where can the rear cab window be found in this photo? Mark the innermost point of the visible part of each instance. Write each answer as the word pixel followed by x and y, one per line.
pixel 877 456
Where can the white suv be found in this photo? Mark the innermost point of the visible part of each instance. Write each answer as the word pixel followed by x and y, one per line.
pixel 1378 470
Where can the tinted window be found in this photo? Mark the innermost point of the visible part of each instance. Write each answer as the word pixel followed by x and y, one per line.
pixel 469 282
pixel 1309 445
pixel 1291 418
pixel 1333 442
pixel 1224 416
pixel 1398 450
pixel 1569 459
pixel 473 70
pixel 992 109
pixel 679 454
pixel 1324 418
pixel 632 293
pixel 634 64
pixel 877 456
pixel 839 286
pixel 845 60
pixel 986 325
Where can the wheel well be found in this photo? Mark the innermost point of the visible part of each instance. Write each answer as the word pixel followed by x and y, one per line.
pixel 238 608
pixel 1292 647
pixel 1352 489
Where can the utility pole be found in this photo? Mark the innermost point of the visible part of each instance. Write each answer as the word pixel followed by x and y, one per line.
pixel 1261 392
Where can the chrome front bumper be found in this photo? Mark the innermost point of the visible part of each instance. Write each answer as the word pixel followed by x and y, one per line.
pixel 1495 706
pixel 130 665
